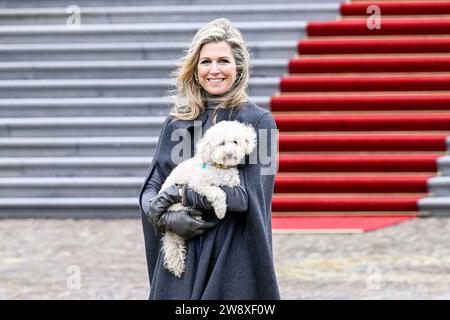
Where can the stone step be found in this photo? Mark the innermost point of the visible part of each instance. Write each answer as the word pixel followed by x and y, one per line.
pixel 86 107
pixel 71 207
pixel 49 187
pixel 83 88
pixel 170 13
pixel 276 49
pixel 435 206
pixel 74 167
pixel 78 146
pixel 115 3
pixel 81 127
pixel 92 107
pixel 130 69
pixel 444 162
pixel 141 32
pixel 439 186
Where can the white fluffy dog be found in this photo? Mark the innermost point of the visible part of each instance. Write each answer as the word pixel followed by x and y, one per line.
pixel 214 164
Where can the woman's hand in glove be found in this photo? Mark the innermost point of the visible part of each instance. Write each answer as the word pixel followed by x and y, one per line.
pixel 161 202
pixel 184 223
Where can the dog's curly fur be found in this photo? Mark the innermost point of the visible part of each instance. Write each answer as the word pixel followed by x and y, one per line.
pixel 219 152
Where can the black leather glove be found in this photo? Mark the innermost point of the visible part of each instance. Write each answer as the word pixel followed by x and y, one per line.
pixel 161 202
pixel 184 223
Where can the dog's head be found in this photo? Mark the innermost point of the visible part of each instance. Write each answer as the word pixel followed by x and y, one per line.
pixel 227 143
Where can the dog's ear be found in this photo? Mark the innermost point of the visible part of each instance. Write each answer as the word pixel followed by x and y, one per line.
pixel 250 138
pixel 204 149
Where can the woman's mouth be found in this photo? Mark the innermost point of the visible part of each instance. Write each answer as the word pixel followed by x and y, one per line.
pixel 216 80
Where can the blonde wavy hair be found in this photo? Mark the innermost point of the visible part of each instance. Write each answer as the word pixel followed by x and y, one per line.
pixel 189 95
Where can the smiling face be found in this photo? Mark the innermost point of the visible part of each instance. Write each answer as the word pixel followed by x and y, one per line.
pixel 216 68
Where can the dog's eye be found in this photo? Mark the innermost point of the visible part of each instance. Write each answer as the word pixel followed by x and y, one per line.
pixel 223 143
pixel 235 142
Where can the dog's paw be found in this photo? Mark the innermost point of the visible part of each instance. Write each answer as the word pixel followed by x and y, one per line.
pixel 220 205
pixel 220 211
pixel 220 215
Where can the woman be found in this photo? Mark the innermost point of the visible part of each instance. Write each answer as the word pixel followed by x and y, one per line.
pixel 230 258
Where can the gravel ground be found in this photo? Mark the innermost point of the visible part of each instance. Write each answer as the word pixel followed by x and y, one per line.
pixel 104 259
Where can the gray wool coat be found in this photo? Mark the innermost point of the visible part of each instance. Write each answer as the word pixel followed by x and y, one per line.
pixel 235 260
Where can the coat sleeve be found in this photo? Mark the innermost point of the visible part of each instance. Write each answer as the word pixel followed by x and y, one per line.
pixel 152 187
pixel 237 200
pixel 261 176
pixel 157 172
pixel 161 165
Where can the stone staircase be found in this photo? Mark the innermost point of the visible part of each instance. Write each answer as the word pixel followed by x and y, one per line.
pixel 81 108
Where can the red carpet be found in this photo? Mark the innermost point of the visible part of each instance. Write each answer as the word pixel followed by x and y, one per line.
pixel 307 143
pixel 361 203
pixel 370 64
pixel 395 8
pixel 357 163
pixel 371 122
pixel 336 224
pixel 374 46
pixel 356 184
pixel 360 103
pixel 389 27
pixel 364 83
pixel 363 117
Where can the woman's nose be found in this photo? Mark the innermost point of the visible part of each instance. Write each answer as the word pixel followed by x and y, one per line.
pixel 214 68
